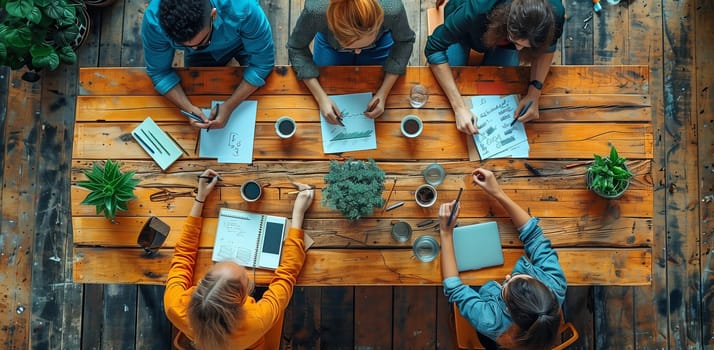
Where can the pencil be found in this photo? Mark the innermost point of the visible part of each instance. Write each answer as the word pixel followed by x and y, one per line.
pixel 456 205
pixel 523 111
pixel 192 116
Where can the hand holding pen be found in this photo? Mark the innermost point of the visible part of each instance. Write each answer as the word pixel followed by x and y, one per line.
pixel 374 109
pixel 206 184
pixel 197 119
pixel 523 112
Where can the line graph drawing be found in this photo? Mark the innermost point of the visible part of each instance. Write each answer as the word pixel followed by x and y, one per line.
pixel 358 132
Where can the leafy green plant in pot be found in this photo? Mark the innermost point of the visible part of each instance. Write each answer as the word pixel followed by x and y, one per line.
pixel 110 188
pixel 41 34
pixel 609 176
pixel 354 188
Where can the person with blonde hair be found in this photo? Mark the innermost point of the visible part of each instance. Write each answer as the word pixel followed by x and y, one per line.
pixel 351 32
pixel 524 311
pixel 219 312
pixel 506 32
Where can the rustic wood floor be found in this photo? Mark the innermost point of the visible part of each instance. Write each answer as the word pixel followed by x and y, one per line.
pixel 40 307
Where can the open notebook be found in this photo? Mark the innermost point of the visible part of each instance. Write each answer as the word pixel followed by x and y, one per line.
pixel 249 239
pixel 477 246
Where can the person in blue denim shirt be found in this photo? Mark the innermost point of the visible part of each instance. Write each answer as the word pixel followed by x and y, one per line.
pixel 507 32
pixel 211 33
pixel 524 311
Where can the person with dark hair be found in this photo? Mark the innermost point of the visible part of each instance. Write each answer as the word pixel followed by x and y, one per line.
pixel 210 33
pixel 506 32
pixel 219 313
pixel 351 32
pixel 524 311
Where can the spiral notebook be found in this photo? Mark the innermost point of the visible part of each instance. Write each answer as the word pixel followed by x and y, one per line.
pixel 477 246
pixel 249 239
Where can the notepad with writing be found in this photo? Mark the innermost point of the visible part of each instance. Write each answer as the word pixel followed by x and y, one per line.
pixel 477 246
pixel 158 144
pixel 249 239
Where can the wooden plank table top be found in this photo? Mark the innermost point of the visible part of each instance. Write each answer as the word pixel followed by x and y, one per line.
pixel 583 110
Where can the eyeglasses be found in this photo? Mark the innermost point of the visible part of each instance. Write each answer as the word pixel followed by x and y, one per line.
pixel 204 43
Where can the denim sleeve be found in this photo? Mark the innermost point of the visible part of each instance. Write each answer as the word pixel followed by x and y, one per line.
pixel 403 37
pixel 456 25
pixel 543 257
pixel 306 27
pixel 158 55
pixel 258 43
pixel 481 310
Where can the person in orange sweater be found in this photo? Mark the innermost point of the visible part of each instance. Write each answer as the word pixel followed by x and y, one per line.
pixel 219 312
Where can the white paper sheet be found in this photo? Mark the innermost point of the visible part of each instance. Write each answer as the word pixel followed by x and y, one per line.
pixel 496 137
pixel 359 131
pixel 234 142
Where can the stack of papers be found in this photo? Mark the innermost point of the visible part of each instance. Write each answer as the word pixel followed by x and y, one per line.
pixel 496 137
pixel 158 144
pixel 358 132
pixel 234 142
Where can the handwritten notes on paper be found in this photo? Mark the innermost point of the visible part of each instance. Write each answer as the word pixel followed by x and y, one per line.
pixel 234 142
pixel 357 134
pixel 496 137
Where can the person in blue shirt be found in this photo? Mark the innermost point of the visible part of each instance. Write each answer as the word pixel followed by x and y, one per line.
pixel 524 311
pixel 211 33
pixel 507 32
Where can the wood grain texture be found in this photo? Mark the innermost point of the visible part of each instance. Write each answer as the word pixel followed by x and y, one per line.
pixel 683 229
pixel 153 329
pixel 411 331
pixel 645 20
pixel 577 39
pixel 338 267
pixel 704 95
pixel 373 317
pixel 346 79
pixel 19 178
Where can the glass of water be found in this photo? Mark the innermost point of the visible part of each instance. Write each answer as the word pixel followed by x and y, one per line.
pixel 418 96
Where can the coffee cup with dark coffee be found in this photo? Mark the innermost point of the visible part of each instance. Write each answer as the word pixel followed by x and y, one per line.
pixel 251 191
pixel 412 126
pixel 285 127
pixel 425 195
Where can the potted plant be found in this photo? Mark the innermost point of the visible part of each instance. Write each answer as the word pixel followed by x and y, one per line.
pixel 354 188
pixel 110 188
pixel 609 177
pixel 41 34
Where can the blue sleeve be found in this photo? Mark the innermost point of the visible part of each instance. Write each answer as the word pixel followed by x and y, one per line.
pixel 258 42
pixel 158 55
pixel 483 310
pixel 543 258
pixel 455 26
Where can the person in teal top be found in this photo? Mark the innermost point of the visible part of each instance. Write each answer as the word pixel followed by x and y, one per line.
pixel 524 311
pixel 211 33
pixel 507 32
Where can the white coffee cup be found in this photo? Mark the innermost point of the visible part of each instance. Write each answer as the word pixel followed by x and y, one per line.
pixel 285 127
pixel 411 126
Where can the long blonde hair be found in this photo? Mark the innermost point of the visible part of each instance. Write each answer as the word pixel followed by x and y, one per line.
pixel 215 309
pixel 351 20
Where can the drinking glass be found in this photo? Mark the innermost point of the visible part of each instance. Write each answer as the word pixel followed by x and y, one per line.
pixel 418 96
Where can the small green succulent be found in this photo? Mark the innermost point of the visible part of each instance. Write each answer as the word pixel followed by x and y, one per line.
pixel 354 188
pixel 608 176
pixel 110 188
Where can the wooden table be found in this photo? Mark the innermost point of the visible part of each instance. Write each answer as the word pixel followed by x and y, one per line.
pixel 584 110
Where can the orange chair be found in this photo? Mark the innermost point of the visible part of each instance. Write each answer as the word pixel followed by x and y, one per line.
pixel 466 337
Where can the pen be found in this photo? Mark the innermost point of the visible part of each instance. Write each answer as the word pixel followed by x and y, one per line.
pixel 373 105
pixel 339 117
pixel 143 143
pixel 456 205
pixel 150 140
pixel 210 178
pixel 151 135
pixel 394 206
pixel 192 116
pixel 177 144
pixel 523 111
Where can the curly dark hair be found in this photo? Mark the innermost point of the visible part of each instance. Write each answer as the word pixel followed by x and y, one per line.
pixel 532 20
pixel 183 19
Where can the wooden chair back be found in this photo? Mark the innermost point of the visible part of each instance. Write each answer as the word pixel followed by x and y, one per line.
pixel 467 338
